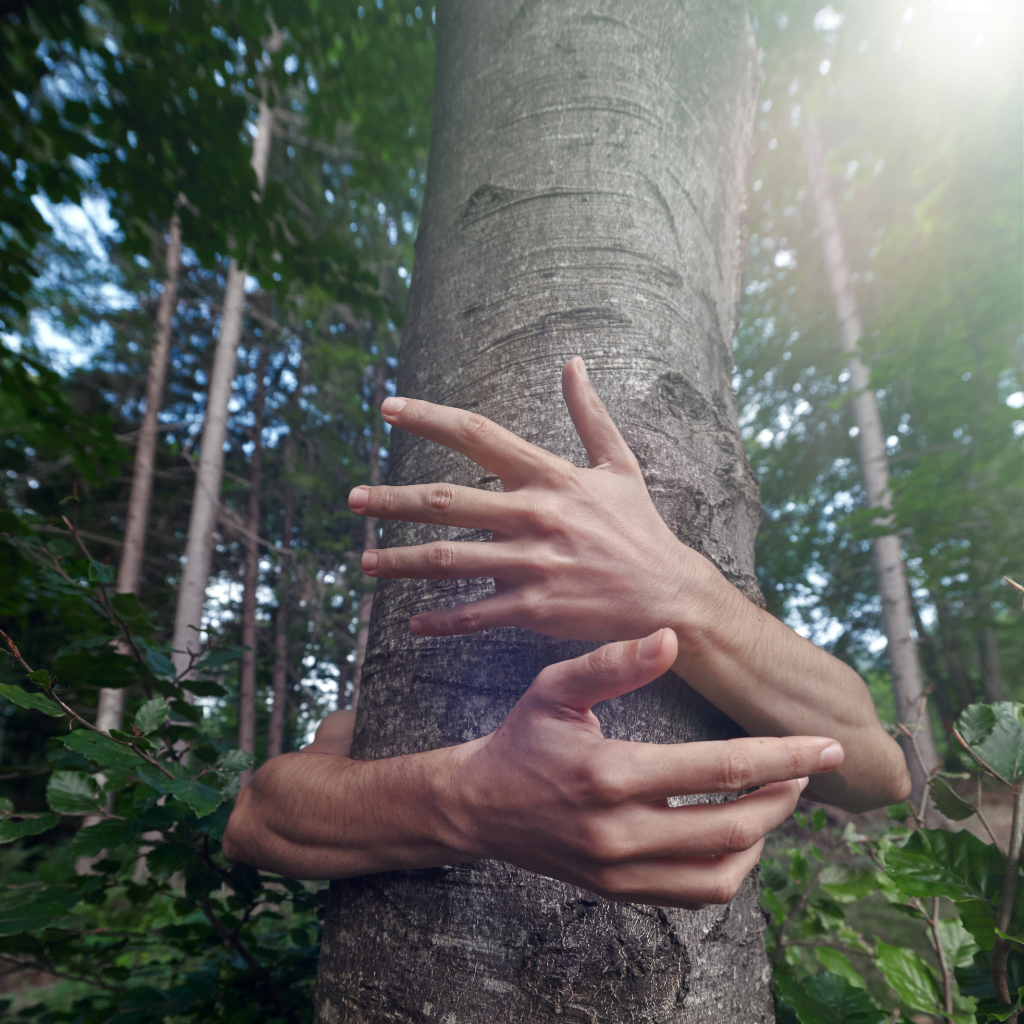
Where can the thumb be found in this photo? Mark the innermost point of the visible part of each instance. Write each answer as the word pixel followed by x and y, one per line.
pixel 607 672
pixel 595 426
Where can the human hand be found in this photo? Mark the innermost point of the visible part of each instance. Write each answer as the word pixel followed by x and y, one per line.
pixel 580 554
pixel 548 792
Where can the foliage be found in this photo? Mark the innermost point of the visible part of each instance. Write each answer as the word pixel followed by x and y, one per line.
pixel 827 969
pixel 160 924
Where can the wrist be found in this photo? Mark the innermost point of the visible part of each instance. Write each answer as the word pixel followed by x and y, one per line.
pixel 707 608
pixel 448 803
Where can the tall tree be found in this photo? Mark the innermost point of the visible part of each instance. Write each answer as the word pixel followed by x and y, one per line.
pixel 585 196
pixel 907 687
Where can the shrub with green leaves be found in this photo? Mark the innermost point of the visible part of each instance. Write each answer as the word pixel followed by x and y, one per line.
pixel 812 891
pixel 141 909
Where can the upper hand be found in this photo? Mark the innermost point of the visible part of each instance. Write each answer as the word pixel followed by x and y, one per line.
pixel 580 554
pixel 548 792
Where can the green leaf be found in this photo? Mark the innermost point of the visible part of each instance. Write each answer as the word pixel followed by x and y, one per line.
pixel 72 793
pixel 954 864
pixel 218 657
pixel 202 799
pixel 206 688
pixel 857 886
pixel 40 676
pixel 127 737
pixel 818 819
pixel 27 911
pixel 35 701
pixel 101 749
pixel 151 715
pixel 995 733
pixel 5 804
pixel 128 608
pixel 910 976
pixel 838 963
pixel 104 835
pixel 103 667
pixel 11 830
pixel 948 801
pixel 900 812
pixel 957 943
pixel 236 761
pixel 828 999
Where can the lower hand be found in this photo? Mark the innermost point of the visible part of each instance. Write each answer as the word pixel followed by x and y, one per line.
pixel 549 793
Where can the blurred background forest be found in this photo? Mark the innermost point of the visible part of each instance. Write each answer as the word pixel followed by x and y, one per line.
pixel 289 157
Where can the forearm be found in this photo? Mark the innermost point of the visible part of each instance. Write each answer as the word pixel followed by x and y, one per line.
pixel 773 682
pixel 320 816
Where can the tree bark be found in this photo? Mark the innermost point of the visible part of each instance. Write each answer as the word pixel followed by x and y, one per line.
pixel 369 532
pixel 110 711
pixel 247 667
pixel 991 665
pixel 910 700
pixel 585 197
pixel 279 674
pixel 206 495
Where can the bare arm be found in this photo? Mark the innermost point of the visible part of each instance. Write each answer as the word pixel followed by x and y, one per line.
pixel 583 554
pixel 545 791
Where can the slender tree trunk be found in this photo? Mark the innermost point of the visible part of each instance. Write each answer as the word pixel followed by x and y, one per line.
pixel 585 197
pixel 892 579
pixel 247 668
pixel 206 496
pixel 279 674
pixel 370 531
pixel 991 665
pixel 129 575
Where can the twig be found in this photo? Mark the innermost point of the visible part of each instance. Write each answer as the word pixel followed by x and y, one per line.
pixel 797 908
pixel 947 981
pixel 982 819
pixel 14 652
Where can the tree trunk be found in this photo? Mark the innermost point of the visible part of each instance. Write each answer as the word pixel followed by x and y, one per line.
pixel 585 197
pixel 892 579
pixel 110 712
pixel 369 532
pixel 247 668
pixel 279 674
pixel 991 665
pixel 195 572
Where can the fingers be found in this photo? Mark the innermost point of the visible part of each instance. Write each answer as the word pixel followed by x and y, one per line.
pixel 642 831
pixel 673 882
pixel 445 504
pixel 607 672
pixel 656 771
pixel 444 560
pixel 496 449
pixel 596 428
pixel 475 617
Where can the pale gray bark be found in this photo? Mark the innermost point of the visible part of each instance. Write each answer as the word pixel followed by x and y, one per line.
pixel 585 197
pixel 247 666
pixel 110 711
pixel 279 673
pixel 892 578
pixel 195 570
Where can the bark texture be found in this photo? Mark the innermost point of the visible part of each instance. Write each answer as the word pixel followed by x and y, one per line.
pixel 585 197
pixel 888 550
pixel 110 711
pixel 206 496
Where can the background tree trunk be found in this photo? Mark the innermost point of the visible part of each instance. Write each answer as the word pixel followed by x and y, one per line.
pixel 279 673
pixel 585 197
pixel 110 711
pixel 247 667
pixel 195 571
pixel 908 693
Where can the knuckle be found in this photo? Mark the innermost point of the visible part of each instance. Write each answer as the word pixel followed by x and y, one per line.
pixel 441 498
pixel 723 890
pixel 442 558
pixel 466 620
pixel 385 500
pixel 736 771
pixel 607 784
pixel 477 427
pixel 741 835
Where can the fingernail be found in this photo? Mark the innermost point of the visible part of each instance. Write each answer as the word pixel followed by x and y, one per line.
pixel 649 646
pixel 583 367
pixel 358 498
pixel 415 626
pixel 831 757
pixel 392 406
pixel 803 783
pixel 369 561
